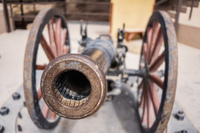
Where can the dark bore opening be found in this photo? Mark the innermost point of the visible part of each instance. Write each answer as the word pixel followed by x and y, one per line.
pixel 73 85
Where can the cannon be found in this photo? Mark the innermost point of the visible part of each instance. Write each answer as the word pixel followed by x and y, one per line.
pixel 75 86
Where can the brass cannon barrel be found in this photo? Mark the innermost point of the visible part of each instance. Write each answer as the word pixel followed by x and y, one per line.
pixel 74 85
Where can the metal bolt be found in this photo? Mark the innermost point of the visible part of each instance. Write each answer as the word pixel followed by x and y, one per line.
pixel 24 104
pixel 4 111
pixel 179 116
pixel 182 131
pixel 16 96
pixel 20 115
pixel 19 128
pixel 1 129
pixel 132 84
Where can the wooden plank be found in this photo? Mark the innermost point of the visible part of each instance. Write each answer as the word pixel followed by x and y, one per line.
pixel 23 16
pixel 32 2
pixel 110 18
pixel 87 13
pixel 91 3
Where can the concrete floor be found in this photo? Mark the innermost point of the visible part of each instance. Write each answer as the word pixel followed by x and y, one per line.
pixel 12 47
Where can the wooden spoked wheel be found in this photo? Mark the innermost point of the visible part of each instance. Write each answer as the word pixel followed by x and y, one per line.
pixel 48 39
pixel 156 90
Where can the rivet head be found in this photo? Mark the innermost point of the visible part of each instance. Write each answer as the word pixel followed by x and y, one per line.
pixel 4 111
pixel 16 96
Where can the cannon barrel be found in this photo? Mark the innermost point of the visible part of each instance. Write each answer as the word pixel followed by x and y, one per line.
pixel 74 86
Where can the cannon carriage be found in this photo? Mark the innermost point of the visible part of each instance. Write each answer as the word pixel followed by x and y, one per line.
pixel 75 86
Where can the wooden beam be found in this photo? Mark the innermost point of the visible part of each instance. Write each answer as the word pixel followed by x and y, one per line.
pixel 6 15
pixel 178 9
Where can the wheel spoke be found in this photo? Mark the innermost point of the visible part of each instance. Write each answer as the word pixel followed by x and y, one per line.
pixel 149 38
pixel 156 28
pixel 157 62
pixel 145 52
pixel 40 67
pixel 45 110
pixel 58 35
pixel 47 49
pixel 156 79
pixel 50 32
pixel 155 35
pixel 39 94
pixel 52 115
pixel 53 48
pixel 141 84
pixel 154 96
pixel 63 38
pixel 148 112
pixel 51 37
pixel 54 36
pixel 157 47
pixel 144 115
pixel 66 49
pixel 151 114
pixel 142 100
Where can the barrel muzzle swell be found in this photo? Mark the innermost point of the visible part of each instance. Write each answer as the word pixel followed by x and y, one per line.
pixel 73 86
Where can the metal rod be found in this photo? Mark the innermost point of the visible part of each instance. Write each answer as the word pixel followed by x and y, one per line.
pixel 131 72
pixel 191 9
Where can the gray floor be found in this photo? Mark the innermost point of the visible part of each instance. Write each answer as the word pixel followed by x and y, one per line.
pixel 117 116
pixel 12 47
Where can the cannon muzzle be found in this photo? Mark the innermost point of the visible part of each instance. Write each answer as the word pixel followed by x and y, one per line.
pixel 74 85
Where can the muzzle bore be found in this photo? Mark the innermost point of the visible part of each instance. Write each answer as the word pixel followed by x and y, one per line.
pixel 74 85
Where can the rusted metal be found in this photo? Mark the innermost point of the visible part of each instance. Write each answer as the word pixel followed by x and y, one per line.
pixel 172 72
pixel 74 86
pixel 101 51
pixel 156 109
pixel 32 97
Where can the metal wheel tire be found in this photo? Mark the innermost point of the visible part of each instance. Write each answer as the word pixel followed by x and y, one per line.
pixel 57 45
pixel 156 91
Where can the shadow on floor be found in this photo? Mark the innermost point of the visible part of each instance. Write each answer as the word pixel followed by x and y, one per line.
pixel 124 105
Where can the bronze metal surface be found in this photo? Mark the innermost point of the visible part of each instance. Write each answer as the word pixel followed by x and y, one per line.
pixel 68 107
